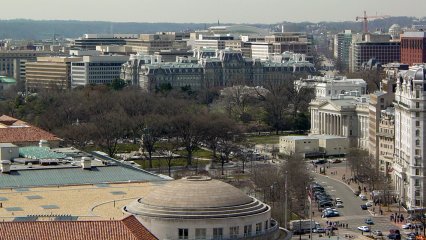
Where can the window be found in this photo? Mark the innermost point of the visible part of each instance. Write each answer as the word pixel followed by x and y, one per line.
pixel 417 105
pixel 200 233
pixel 417 193
pixel 258 228
pixel 266 225
pixel 183 233
pixel 417 183
pixel 247 230
pixel 417 114
pixel 234 231
pixel 417 124
pixel 417 172
pixel 417 142
pixel 217 233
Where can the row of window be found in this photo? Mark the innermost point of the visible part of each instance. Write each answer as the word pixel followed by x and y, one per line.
pixel 234 231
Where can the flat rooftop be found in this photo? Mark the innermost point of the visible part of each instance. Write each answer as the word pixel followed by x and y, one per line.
pixel 86 202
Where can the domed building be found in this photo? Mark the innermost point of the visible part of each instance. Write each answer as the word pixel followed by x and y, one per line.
pixel 395 31
pixel 202 208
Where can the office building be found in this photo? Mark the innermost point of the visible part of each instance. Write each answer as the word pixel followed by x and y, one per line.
pixel 96 70
pixel 148 44
pixel 410 153
pixel 413 47
pixel 342 42
pixel 10 61
pixel 90 41
pixel 210 68
pixel 49 72
pixel 379 47
pixel 386 143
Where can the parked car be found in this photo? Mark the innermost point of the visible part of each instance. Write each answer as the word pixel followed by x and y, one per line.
pixel 369 203
pixel 407 226
pixel 363 197
pixel 357 192
pixel 319 230
pixel 377 233
pixel 339 205
pixel 369 221
pixel 320 161
pixel 336 160
pixel 364 207
pixel 364 228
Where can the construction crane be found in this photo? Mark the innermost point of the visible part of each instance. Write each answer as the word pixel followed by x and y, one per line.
pixel 365 19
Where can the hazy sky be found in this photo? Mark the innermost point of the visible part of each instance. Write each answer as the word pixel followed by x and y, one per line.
pixel 208 11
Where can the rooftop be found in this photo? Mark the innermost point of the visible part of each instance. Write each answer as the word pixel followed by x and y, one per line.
pixel 13 130
pixel 128 228
pixel 7 80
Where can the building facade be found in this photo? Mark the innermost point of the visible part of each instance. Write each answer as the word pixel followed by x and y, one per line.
pixel 333 86
pixel 410 134
pixel 90 41
pixel 49 72
pixel 342 42
pixel 383 52
pixel 96 70
pixel 386 144
pixel 345 116
pixel 413 47
pixel 210 68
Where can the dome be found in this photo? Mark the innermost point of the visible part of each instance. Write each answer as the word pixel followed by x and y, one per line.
pixel 196 196
pixel 196 192
pixel 395 31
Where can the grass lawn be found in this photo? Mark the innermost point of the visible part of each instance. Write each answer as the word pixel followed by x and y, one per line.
pixel 156 163
pixel 268 139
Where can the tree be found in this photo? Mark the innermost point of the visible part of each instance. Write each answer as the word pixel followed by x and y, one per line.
pixel 118 84
pixel 190 129
pixel 151 134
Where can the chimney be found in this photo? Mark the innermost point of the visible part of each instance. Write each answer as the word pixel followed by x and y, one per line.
pixel 86 163
pixel 5 166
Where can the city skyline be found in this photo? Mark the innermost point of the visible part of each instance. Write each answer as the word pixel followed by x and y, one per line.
pixel 202 11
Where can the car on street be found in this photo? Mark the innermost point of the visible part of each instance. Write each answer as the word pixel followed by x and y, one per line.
pixel 338 200
pixel 364 207
pixel 369 203
pixel 394 236
pixel 377 233
pixel 357 192
pixel 363 197
pixel 336 160
pixel 407 226
pixel 319 230
pixel 369 221
pixel 339 205
pixel 320 161
pixel 364 228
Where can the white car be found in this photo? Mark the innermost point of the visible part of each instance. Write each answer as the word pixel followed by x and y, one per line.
pixel 363 197
pixel 339 205
pixel 364 228
pixel 369 203
pixel 407 226
pixel 338 200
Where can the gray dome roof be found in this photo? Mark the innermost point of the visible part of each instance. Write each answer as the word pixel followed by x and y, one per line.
pixel 196 192
pixel 196 197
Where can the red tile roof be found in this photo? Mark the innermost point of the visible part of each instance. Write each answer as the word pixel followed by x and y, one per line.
pixel 14 130
pixel 127 229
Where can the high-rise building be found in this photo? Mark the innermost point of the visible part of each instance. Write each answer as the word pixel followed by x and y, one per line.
pixel 413 47
pixel 49 72
pixel 410 135
pixel 150 43
pixel 342 42
pixel 373 46
pixel 386 137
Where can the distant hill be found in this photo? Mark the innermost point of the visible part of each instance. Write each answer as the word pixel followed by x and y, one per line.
pixel 32 29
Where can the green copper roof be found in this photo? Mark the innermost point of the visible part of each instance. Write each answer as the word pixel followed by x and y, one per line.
pixel 7 80
pixel 74 176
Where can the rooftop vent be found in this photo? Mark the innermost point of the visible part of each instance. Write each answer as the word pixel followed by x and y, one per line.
pixel 43 143
pixel 5 166
pixel 86 163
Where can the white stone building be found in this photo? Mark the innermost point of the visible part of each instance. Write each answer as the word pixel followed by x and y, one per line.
pixel 329 86
pixel 345 116
pixel 410 133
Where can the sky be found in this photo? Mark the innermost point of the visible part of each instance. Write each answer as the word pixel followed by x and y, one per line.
pixel 208 11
